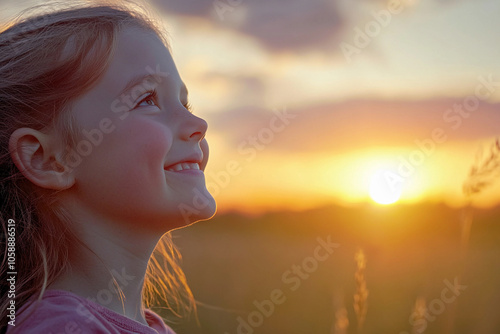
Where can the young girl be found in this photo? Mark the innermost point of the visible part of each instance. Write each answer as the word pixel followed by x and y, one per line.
pixel 100 157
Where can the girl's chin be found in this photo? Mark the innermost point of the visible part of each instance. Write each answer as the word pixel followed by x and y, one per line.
pixel 201 208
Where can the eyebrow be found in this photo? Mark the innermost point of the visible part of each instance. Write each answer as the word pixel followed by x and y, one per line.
pixel 140 80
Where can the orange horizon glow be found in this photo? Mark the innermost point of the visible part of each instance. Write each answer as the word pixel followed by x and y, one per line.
pixel 301 182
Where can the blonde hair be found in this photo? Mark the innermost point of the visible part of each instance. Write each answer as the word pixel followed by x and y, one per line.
pixel 46 61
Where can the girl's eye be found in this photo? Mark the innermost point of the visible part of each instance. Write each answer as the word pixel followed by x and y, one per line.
pixel 149 99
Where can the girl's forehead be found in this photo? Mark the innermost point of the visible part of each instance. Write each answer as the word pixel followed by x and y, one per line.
pixel 138 50
pixel 140 53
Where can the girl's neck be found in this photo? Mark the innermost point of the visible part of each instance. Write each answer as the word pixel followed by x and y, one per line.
pixel 111 270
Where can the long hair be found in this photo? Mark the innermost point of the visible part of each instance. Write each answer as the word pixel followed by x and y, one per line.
pixel 46 62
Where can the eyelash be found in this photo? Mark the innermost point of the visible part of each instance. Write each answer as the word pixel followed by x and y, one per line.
pixel 189 107
pixel 152 95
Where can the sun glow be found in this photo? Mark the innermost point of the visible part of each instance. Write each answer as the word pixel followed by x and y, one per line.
pixel 384 188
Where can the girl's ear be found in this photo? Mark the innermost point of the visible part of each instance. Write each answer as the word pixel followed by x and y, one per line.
pixel 39 159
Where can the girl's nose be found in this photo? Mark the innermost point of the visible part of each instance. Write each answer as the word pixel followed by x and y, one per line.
pixel 193 128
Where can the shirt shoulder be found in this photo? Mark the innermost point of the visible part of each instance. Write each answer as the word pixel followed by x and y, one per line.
pixel 62 312
pixel 57 314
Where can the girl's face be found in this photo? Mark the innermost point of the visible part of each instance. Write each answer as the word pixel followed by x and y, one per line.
pixel 141 153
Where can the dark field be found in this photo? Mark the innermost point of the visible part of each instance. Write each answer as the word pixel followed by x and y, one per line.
pixel 245 271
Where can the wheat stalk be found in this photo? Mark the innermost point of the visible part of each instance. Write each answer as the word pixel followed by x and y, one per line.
pixel 482 174
pixel 418 314
pixel 361 295
pixel 341 321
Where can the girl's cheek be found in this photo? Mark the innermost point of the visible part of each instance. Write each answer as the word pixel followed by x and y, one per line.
pixel 135 145
pixel 147 139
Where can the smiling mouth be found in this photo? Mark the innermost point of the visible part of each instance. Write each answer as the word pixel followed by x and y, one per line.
pixel 183 166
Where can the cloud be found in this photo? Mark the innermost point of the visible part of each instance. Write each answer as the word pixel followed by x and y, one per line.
pixel 297 24
pixel 286 25
pixel 279 25
pixel 362 124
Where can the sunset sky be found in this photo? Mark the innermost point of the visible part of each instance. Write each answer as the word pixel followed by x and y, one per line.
pixel 307 100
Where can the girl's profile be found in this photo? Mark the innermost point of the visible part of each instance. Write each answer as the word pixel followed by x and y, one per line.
pixel 100 153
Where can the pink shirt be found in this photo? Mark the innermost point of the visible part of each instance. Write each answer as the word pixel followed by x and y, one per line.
pixel 62 312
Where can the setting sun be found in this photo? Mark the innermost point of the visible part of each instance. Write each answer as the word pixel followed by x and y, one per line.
pixel 383 190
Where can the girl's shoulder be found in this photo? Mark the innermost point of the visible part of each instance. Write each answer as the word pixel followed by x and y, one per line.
pixel 62 312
